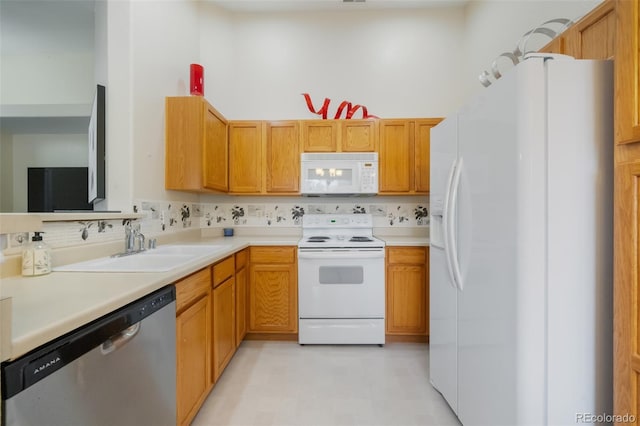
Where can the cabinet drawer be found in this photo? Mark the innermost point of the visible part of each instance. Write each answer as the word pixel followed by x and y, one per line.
pixel 406 255
pixel 191 288
pixel 241 259
pixel 223 270
pixel 273 254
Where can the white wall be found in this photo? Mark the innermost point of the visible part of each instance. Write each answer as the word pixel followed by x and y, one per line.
pixel 216 56
pixel 164 41
pixel 43 150
pixel 47 52
pixel 493 27
pixel 402 63
pixel 398 63
pixel 6 171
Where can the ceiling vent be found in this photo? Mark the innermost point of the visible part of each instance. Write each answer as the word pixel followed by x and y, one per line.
pixel 353 1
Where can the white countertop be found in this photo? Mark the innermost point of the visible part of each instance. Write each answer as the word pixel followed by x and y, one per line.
pixel 404 240
pixel 46 307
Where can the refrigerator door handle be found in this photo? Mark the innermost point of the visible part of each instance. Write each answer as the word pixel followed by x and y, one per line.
pixel 453 229
pixel 445 224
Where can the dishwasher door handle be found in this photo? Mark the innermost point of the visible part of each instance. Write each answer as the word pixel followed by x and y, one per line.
pixel 118 340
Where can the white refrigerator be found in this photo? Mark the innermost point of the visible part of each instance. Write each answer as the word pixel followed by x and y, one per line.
pixel 521 247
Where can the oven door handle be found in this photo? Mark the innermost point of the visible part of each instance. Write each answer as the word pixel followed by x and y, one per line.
pixel 341 254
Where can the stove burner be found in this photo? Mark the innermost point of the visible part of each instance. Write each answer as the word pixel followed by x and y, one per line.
pixel 318 239
pixel 360 239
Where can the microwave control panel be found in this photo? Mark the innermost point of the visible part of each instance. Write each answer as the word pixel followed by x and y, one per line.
pixel 369 177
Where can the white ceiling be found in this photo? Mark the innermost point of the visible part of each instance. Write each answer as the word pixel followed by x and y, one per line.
pixel 318 5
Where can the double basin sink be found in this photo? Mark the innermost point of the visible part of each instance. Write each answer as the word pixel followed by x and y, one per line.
pixel 161 259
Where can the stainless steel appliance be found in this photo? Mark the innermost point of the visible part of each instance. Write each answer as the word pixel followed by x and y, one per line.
pixel 339 173
pixel 117 370
pixel 341 280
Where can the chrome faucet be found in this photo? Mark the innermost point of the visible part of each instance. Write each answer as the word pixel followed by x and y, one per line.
pixel 131 235
pixel 129 238
pixel 139 236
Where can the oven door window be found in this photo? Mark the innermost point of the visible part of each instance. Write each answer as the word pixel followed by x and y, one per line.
pixel 341 274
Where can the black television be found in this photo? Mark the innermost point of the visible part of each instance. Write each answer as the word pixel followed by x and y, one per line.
pixel 58 189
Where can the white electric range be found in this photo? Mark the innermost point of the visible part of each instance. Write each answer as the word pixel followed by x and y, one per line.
pixel 341 280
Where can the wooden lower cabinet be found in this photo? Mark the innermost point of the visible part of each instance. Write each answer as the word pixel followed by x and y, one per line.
pixel 193 344
pixel 407 302
pixel 242 296
pixel 273 290
pixel 224 337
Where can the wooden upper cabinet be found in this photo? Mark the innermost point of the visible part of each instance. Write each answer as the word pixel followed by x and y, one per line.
pixel 394 158
pixel 557 45
pixel 216 171
pixel 593 37
pixel 319 135
pixel 422 144
pixel 627 72
pixel 339 135
pixel 282 157
pixel 404 155
pixel 245 157
pixel 358 135
pixel 195 145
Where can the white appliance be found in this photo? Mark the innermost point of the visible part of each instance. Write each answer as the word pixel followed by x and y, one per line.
pixel 339 173
pixel 521 247
pixel 341 280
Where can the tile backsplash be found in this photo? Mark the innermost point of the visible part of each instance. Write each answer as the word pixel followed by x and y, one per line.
pixel 163 217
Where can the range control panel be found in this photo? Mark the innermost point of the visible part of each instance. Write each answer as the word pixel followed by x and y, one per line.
pixel 354 220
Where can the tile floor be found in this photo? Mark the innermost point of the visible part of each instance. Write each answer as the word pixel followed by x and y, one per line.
pixel 282 383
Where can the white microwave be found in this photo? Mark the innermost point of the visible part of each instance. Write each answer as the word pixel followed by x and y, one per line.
pixel 339 173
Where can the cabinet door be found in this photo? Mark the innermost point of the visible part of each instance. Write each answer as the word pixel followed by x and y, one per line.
pixel 395 157
pixel 407 292
pixel 627 288
pixel 193 358
pixel 215 152
pixel 183 143
pixel 273 298
pixel 422 146
pixel 245 157
pixel 283 157
pixel 358 136
pixel 593 37
pixel 224 338
pixel 320 136
pixel 557 45
pixel 241 305
pixel 627 72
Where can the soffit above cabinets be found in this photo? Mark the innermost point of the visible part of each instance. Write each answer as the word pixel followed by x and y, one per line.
pixel 317 5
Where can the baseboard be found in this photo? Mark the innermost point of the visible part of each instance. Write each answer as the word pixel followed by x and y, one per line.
pixel 288 337
pixel 398 338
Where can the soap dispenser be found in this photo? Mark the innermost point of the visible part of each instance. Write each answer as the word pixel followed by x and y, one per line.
pixel 36 257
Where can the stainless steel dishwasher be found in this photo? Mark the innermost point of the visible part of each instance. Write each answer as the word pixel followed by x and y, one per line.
pixel 118 370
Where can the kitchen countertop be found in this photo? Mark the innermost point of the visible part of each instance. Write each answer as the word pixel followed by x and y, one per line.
pixel 46 307
pixel 404 240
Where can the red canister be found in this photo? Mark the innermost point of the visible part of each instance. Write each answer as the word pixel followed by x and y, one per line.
pixel 197 80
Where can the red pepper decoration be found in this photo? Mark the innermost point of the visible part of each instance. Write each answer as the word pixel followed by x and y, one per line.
pixel 351 109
